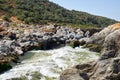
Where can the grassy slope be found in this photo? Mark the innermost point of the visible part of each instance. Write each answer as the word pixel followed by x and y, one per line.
pixel 44 11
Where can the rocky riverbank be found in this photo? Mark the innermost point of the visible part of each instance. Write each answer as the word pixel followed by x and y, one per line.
pixel 16 39
pixel 108 66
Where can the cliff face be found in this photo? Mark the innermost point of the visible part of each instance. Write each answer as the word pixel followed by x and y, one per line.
pixel 108 66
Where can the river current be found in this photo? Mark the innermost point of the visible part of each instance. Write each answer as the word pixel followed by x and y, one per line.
pixel 48 64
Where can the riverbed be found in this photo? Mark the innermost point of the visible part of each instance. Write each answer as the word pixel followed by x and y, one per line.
pixel 48 64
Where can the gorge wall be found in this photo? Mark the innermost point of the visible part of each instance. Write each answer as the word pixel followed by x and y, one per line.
pixel 108 66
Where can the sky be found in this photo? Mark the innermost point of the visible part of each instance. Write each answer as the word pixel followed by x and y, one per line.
pixel 106 8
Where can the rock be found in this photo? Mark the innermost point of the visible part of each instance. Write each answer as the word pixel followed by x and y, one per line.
pixel 83 41
pixel 87 34
pixel 71 74
pixel 99 37
pixel 93 47
pixel 11 35
pixel 5 24
pixel 2 28
pixel 74 43
pixel 77 72
pixel 91 31
pixel 107 67
pixel 111 45
pixel 9 47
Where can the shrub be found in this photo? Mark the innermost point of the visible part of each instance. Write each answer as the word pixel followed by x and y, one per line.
pixel 6 17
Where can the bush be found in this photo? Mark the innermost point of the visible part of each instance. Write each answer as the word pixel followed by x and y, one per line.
pixel 6 17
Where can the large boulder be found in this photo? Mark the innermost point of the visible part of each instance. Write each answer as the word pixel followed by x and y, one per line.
pixel 99 37
pixel 107 67
pixel 9 47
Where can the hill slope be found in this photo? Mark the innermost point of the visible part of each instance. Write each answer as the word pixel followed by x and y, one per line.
pixel 42 11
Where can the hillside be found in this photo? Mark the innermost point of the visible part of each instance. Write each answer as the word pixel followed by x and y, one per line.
pixel 44 11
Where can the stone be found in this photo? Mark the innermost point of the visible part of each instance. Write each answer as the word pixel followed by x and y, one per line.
pixel 74 43
pixel 5 24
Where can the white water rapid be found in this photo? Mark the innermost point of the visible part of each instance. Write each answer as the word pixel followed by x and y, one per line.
pixel 47 65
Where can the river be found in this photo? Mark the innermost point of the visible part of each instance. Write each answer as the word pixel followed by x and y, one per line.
pixel 48 64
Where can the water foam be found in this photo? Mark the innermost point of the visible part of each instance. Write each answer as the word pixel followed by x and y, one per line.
pixel 49 63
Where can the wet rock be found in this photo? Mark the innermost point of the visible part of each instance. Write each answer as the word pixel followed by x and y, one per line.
pixel 74 43
pixel 93 47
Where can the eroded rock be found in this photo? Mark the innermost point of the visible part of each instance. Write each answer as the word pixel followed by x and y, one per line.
pixel 108 66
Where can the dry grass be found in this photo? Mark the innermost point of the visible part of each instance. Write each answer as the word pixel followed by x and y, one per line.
pixel 48 30
pixel 114 26
pixel 2 28
pixel 15 19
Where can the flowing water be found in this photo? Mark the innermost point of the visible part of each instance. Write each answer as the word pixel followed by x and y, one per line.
pixel 47 65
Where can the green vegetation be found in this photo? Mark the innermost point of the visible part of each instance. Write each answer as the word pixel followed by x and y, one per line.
pixel 44 11
pixel 6 17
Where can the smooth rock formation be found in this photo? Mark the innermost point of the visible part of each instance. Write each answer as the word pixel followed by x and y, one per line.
pixel 108 66
pixel 99 37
